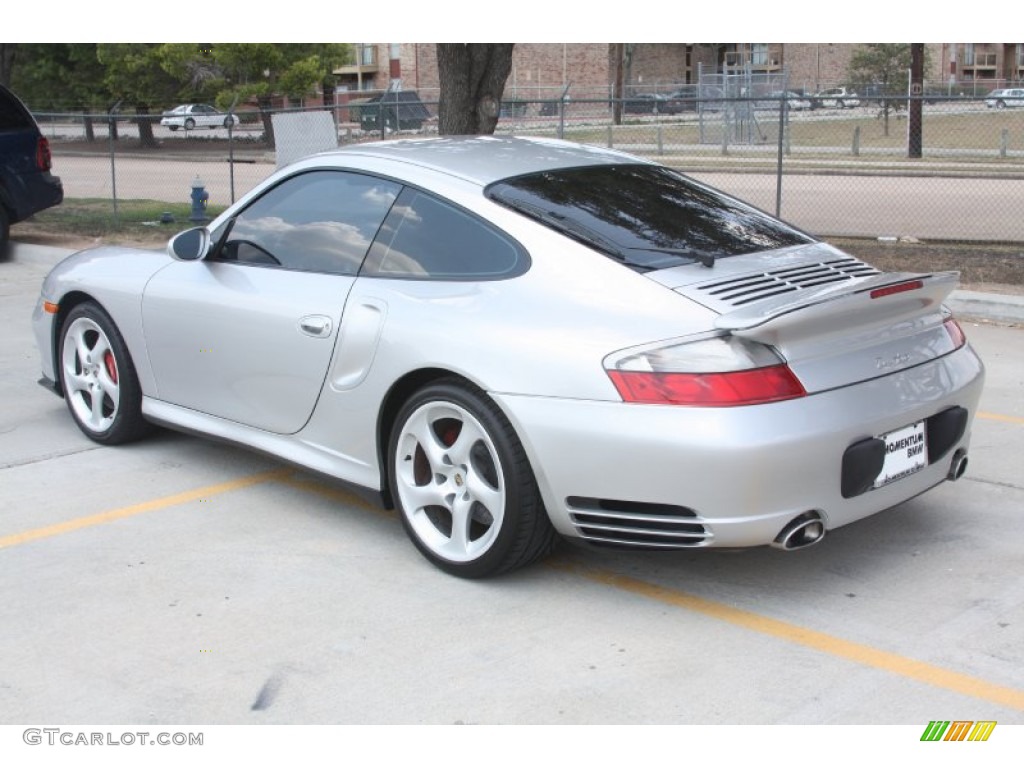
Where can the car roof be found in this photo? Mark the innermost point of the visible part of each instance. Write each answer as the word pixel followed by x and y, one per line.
pixel 486 159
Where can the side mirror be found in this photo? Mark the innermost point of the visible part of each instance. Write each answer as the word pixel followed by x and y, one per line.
pixel 190 245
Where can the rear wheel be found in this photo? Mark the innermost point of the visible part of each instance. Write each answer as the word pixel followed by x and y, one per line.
pixel 5 231
pixel 463 485
pixel 98 378
pixel 190 124
pixel 229 121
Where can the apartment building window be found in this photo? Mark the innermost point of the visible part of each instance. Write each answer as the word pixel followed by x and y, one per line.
pixel 759 54
pixel 968 55
pixel 1020 54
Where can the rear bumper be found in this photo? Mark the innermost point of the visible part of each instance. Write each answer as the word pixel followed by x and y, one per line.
pixel 38 192
pixel 730 477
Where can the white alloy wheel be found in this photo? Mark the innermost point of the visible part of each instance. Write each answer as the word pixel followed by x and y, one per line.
pixel 98 379
pixel 463 485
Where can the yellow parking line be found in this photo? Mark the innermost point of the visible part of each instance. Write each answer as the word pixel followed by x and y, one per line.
pixel 819 641
pixel 1000 417
pixel 137 509
pixel 902 666
pixel 309 485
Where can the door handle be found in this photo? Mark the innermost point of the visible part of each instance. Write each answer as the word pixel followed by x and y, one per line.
pixel 316 325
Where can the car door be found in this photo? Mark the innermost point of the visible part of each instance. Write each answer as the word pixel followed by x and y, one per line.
pixel 248 333
pixel 206 116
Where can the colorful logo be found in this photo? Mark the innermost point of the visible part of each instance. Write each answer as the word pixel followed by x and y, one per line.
pixel 958 730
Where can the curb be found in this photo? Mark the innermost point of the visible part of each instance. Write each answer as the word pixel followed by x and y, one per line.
pixel 993 307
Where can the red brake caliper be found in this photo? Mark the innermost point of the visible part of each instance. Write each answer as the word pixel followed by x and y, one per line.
pixel 108 360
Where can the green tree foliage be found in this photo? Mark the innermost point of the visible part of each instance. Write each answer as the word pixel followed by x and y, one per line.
pixel 148 78
pixel 260 71
pixel 134 76
pixel 881 68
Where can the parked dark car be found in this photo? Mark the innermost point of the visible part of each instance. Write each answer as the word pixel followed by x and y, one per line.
pixel 26 184
pixel 393 111
pixel 649 104
pixel 686 98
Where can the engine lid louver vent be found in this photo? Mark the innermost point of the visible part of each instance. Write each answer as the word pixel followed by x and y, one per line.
pixel 745 289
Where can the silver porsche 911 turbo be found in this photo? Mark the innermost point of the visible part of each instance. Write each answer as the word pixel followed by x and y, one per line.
pixel 517 340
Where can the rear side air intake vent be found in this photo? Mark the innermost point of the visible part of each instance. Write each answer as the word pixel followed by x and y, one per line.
pixel 636 525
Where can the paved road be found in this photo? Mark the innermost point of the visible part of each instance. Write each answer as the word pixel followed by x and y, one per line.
pixel 927 208
pixel 184 581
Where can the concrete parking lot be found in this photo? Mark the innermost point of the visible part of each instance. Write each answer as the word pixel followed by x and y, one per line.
pixel 179 580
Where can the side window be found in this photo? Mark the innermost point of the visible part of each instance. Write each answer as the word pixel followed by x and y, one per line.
pixel 12 116
pixel 426 238
pixel 321 221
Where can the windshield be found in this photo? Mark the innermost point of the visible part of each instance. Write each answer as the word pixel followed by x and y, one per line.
pixel 647 216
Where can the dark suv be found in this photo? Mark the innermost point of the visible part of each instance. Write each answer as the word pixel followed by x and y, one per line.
pixel 26 184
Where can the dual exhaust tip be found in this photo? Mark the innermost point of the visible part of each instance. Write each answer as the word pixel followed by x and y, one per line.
pixel 802 531
pixel 809 528
pixel 958 465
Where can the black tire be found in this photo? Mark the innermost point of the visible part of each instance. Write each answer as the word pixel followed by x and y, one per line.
pixel 5 231
pixel 229 121
pixel 173 127
pixel 474 509
pixel 190 124
pixel 98 377
pixel 1000 104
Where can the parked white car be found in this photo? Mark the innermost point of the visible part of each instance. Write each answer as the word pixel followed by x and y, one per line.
pixel 191 116
pixel 793 100
pixel 1005 97
pixel 838 97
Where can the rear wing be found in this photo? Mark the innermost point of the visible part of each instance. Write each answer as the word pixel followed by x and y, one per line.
pixel 883 299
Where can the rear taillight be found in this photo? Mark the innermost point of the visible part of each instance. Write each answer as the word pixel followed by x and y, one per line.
pixel 956 333
pixel 712 372
pixel 43 159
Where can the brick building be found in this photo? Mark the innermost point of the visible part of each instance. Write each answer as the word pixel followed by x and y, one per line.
pixel 543 70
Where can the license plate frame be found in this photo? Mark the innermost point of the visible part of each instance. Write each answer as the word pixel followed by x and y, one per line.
pixel 906 453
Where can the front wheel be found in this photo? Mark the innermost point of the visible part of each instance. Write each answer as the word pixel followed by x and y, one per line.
pixel 463 485
pixel 98 378
pixel 1000 104
pixel 190 124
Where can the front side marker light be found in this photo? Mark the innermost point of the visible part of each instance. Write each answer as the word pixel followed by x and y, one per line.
pixel 50 308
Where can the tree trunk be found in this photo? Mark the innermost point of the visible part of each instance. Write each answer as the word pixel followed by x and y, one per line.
pixel 265 105
pixel 915 106
pixel 473 79
pixel 7 51
pixel 90 134
pixel 619 55
pixel 146 138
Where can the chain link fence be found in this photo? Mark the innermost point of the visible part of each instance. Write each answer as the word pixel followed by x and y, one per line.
pixel 835 164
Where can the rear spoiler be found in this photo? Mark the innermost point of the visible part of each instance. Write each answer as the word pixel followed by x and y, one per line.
pixel 880 300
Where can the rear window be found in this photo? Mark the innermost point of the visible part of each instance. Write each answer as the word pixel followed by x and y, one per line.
pixel 647 216
pixel 13 117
